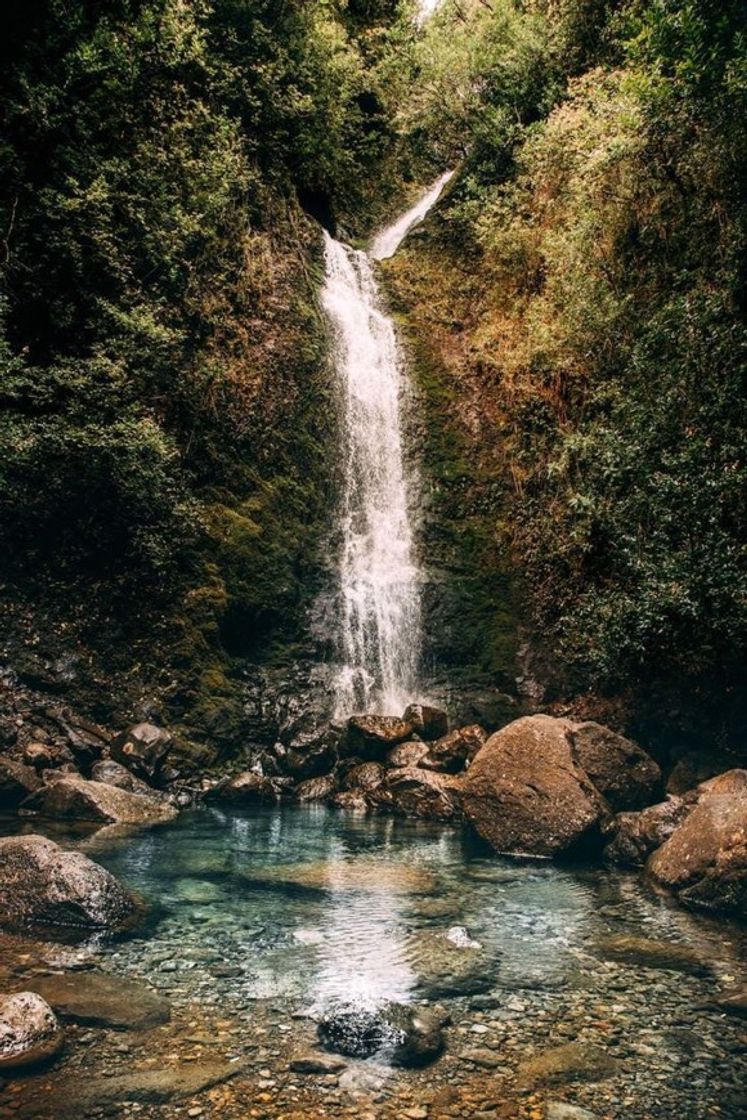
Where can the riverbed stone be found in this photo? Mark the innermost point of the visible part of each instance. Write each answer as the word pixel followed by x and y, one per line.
pixel 112 773
pixel 525 793
pixel 74 798
pixel 625 775
pixel 371 737
pixel 43 885
pixel 316 1062
pixel 98 999
pixel 29 1031
pixel 705 859
pixel 315 789
pixel 365 776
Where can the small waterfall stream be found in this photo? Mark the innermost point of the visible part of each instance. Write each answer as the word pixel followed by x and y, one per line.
pixel 379 614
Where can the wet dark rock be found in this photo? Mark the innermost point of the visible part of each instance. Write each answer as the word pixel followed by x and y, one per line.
pixel 29 1031
pixel 414 792
pixel 705 859
pixel 696 767
pixel 426 721
pixel 143 749
pixel 315 789
pixel 247 788
pixel 574 1061
pixel 401 1035
pixel 98 999
pixel 310 750
pixel 623 773
pixel 525 793
pixel 365 776
pixel 47 756
pixel 407 754
pixel 17 781
pixel 636 835
pixel 112 773
pixel 84 739
pixel 371 737
pixel 43 885
pixel 454 751
pixel 645 952
pixel 351 800
pixel 74 798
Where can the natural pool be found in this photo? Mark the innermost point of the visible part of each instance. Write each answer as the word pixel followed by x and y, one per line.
pixel 267 919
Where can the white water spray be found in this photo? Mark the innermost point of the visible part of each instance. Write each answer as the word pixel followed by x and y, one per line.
pixel 379 594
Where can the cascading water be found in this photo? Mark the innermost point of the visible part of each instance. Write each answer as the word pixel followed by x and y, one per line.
pixel 379 614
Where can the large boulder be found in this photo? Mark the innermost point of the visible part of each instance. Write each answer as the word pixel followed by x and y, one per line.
pixel 17 781
pixel 449 963
pixel 397 1033
pixel 704 861
pixel 426 721
pixel 143 749
pixel 623 773
pixel 454 751
pixel 413 792
pixel 370 737
pixel 525 793
pixel 29 1031
pixel 696 767
pixel 72 798
pixel 42 885
pixel 310 750
pixel 636 835
pixel 113 773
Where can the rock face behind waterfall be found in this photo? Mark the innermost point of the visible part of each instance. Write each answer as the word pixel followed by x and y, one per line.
pixel 42 885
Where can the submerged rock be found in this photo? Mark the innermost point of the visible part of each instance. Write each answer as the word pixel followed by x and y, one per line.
pixel 426 721
pixel 29 1031
pixel 705 859
pixel 574 1061
pixel 525 793
pixel 636 835
pixel 143 749
pixel 647 953
pixel 449 963
pixel 99 999
pixel 372 736
pixel 454 751
pixel 43 885
pixel 399 1034
pixel 623 773
pixel 72 798
pixel 355 875
pixel 414 792
pixel 316 1063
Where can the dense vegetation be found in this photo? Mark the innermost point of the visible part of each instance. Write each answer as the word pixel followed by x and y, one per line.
pixel 576 311
pixel 594 245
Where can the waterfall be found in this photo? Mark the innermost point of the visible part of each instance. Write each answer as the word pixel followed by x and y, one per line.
pixel 379 614
pixel 426 8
